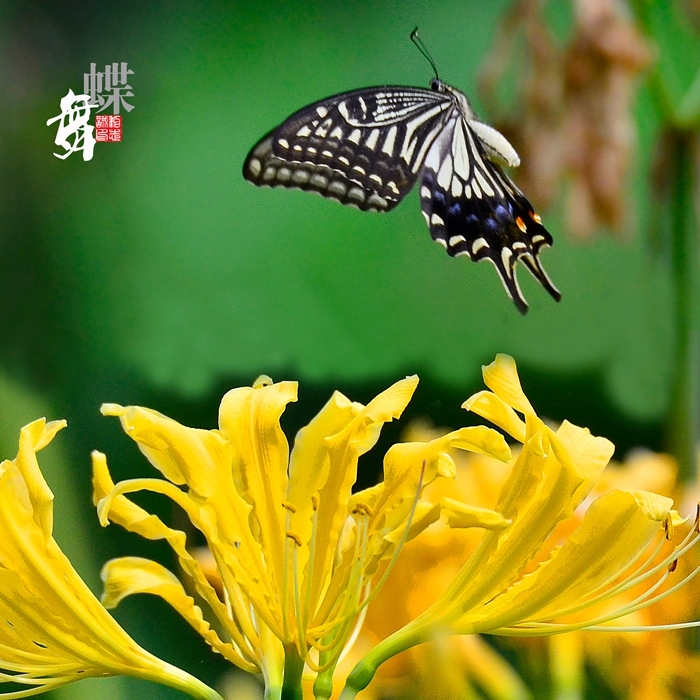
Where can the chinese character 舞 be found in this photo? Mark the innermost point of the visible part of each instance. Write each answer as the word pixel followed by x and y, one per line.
pixel 74 116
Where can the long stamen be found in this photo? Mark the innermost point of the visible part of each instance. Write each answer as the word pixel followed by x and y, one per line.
pixel 227 603
pixel 245 636
pixel 646 599
pixel 637 604
pixel 359 564
pixel 345 608
pixel 335 589
pixel 543 628
pixel 597 624
pixel 647 628
pixel 675 587
pixel 603 591
pixel 640 575
pixel 288 545
pixel 643 600
pixel 324 680
pixel 48 685
pixel 358 628
pixel 310 563
pixel 302 647
pixel 343 615
pixel 350 621
pixel 334 633
pixel 409 521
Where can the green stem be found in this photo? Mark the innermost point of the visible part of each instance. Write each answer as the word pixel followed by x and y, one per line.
pixel 405 638
pixel 323 685
pixel 684 418
pixel 293 668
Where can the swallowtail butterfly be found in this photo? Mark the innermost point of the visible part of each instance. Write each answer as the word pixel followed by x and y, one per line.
pixel 367 148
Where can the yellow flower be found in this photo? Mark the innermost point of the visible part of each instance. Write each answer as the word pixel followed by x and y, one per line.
pixel 54 631
pixel 659 665
pixel 423 571
pixel 298 556
pixel 515 583
pixel 638 665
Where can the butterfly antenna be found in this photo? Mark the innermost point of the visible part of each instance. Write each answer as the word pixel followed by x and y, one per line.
pixel 424 50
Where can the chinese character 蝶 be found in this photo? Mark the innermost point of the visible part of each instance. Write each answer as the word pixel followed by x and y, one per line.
pixel 113 80
pixel 74 116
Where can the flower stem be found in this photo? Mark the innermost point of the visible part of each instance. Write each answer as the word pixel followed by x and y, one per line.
pixel 405 638
pixel 293 668
pixel 685 408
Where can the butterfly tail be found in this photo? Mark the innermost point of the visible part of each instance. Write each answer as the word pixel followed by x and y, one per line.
pixel 505 266
pixel 532 263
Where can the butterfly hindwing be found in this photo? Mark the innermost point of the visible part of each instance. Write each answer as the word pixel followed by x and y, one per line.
pixel 363 148
pixel 473 209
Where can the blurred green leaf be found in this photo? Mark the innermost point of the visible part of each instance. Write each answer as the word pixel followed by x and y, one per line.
pixel 675 30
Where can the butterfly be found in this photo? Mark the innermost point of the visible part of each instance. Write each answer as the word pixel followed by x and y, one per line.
pixel 368 147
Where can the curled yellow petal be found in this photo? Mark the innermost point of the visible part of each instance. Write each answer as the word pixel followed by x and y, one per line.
pixel 498 412
pixel 55 630
pixel 173 448
pixel 585 452
pixel 249 422
pixel 501 376
pixel 35 437
pixel 426 513
pixel 131 575
pixel 461 515
pixel 114 506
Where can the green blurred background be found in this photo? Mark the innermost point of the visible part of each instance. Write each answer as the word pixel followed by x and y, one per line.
pixel 154 274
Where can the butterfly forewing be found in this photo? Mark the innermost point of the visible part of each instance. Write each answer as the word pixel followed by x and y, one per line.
pixel 473 209
pixel 363 148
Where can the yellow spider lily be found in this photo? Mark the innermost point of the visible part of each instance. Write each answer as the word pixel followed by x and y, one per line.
pixel 500 589
pixel 53 629
pixel 298 556
pixel 642 664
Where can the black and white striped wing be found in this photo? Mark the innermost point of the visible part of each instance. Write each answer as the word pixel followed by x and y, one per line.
pixel 474 209
pixel 364 148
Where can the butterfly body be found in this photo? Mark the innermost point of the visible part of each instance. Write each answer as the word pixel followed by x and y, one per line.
pixel 367 148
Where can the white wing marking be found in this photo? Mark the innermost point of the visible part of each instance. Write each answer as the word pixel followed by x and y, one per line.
pixel 445 174
pixel 388 146
pixel 460 154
